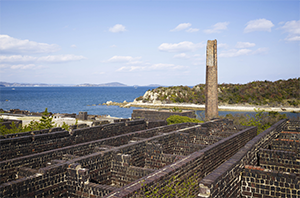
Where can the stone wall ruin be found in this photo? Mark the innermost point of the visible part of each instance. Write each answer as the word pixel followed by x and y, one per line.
pixel 113 160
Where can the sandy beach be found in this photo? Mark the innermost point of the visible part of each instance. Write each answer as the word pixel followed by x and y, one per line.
pixel 156 105
pixel 202 107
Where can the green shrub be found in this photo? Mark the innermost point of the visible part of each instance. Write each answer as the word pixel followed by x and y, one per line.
pixel 45 123
pixel 176 109
pixel 262 120
pixel 176 119
pixel 65 126
pixel 281 92
pixel 174 187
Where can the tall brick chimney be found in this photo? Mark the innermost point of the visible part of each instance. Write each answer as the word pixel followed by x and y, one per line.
pixel 211 92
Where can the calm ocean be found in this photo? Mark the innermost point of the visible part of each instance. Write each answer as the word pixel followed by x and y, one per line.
pixel 75 99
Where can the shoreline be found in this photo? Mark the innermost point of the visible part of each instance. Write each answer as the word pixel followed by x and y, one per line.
pixel 202 107
pixel 58 121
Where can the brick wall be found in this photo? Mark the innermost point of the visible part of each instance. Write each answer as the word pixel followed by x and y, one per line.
pixel 150 115
pixel 199 163
pixel 9 168
pixel 40 141
pixel 225 180
pixel 48 181
pixel 275 184
pixel 279 160
pixel 128 163
pixel 286 145
pixel 13 135
pixel 7 123
pixel 292 126
pixel 116 166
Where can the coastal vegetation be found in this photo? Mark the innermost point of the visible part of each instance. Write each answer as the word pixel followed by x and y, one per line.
pixel 274 94
pixel 44 123
pixel 176 119
pixel 262 120
pixel 175 187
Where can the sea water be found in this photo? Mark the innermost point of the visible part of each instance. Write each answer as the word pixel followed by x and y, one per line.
pixel 76 99
pixel 70 99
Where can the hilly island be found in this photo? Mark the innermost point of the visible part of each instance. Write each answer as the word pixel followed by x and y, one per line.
pixel 281 93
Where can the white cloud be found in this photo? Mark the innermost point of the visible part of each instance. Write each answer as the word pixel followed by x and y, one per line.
pixel 12 45
pixel 158 66
pixel 123 59
pixel 217 28
pixel 222 45
pixel 259 25
pixel 262 50
pixel 181 26
pixel 163 66
pixel 3 66
pixel 244 45
pixel 60 58
pixel 47 59
pixel 73 46
pixel 117 28
pixel 184 46
pixel 136 63
pixel 192 30
pixel 293 30
pixel 113 46
pixel 293 38
pixel 21 66
pixel 17 58
pixel 181 55
pixel 130 68
pixel 235 52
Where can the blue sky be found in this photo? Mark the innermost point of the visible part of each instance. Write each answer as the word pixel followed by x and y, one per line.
pixel 147 42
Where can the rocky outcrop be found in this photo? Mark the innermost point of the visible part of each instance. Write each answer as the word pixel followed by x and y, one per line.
pixel 124 104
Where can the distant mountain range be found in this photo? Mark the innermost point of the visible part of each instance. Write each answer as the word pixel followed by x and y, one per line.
pixel 6 84
pixel 112 84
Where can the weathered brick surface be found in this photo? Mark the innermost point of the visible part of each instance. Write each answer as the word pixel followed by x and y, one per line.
pixel 224 181
pixel 292 126
pixel 48 181
pixel 95 155
pixel 279 160
pixel 7 123
pixel 157 123
pixel 260 182
pixel 277 173
pixel 211 88
pixel 214 153
pixel 44 140
pixel 8 168
pixel 286 145
pixel 31 133
pixel 150 115
pixel 200 163
pixel 289 135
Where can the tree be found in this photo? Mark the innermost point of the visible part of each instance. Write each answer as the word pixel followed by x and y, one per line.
pixel 46 121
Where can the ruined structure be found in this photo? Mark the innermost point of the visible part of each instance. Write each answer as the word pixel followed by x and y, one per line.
pixel 267 166
pixel 211 103
pixel 103 160
pixel 82 115
pixel 153 114
pixel 8 123
pixel 117 160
